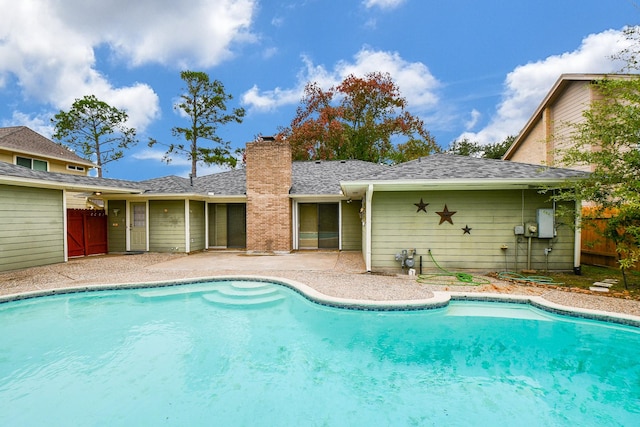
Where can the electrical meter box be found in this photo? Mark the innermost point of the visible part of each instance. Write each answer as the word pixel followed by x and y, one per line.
pixel 546 226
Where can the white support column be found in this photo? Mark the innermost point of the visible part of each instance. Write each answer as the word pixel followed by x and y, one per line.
pixel 65 242
pixel 187 226
pixel 367 211
pixel 295 227
pixel 340 225
pixel 206 225
pixel 127 219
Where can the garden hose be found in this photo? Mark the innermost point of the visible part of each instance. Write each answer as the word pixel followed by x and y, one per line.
pixel 463 278
pixel 515 277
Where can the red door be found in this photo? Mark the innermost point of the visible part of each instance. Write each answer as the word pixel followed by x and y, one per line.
pixel 86 232
pixel 75 232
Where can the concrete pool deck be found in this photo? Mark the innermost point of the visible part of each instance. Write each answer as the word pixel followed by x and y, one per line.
pixel 337 275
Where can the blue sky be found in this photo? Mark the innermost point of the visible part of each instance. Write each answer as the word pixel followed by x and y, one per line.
pixel 468 68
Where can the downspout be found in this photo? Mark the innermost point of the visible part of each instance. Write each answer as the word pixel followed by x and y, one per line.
pixel 368 243
pixel 577 244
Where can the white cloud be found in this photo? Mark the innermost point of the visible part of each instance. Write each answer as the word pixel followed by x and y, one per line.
pixel 38 123
pixel 382 4
pixel 48 46
pixel 527 85
pixel 415 81
pixel 164 31
pixel 475 116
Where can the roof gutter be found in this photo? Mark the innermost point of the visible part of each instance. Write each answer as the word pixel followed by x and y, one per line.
pixel 29 182
pixel 457 184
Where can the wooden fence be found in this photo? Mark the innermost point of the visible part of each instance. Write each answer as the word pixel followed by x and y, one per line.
pixel 595 249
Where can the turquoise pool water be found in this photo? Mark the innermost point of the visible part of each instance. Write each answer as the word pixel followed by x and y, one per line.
pixel 259 354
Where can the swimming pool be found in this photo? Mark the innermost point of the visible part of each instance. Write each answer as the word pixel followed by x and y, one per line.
pixel 256 353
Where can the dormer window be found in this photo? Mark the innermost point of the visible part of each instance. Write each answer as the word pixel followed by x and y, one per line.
pixel 75 168
pixel 35 164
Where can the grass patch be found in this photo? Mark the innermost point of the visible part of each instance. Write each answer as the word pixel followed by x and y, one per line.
pixel 591 274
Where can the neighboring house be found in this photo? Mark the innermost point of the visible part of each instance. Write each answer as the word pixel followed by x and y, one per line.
pixel 549 129
pixel 548 133
pixel 21 146
pixel 472 213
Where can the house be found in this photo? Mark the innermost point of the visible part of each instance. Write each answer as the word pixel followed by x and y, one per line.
pixel 470 213
pixel 548 130
pixel 20 145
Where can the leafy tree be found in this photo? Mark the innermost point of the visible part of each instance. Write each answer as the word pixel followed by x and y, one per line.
pixel 631 54
pixel 361 118
pixel 497 150
pixel 475 149
pixel 95 130
pixel 465 147
pixel 608 140
pixel 204 102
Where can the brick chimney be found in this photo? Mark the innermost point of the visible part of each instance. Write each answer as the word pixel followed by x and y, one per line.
pixel 268 168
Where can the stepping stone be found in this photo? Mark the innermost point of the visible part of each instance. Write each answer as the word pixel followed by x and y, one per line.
pixel 598 289
pixel 603 284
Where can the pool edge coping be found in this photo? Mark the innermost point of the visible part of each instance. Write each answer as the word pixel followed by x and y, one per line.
pixel 440 299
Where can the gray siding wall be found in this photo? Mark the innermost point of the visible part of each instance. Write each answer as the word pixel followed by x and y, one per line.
pixel 196 225
pixel 351 226
pixel 166 229
pixel 117 225
pixel 31 227
pixel 491 215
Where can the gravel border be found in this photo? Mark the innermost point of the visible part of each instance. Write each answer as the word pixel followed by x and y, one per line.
pixel 347 280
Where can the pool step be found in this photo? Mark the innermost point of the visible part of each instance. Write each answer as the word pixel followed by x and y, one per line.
pixel 255 301
pixel 245 294
pixel 231 288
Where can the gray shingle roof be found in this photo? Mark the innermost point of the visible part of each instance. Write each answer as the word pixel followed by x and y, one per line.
pixel 323 177
pixel 23 139
pixel 228 183
pixel 167 184
pixel 66 180
pixel 452 167
pixel 315 178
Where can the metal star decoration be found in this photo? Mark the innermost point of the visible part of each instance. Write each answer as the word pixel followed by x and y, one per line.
pixel 422 206
pixel 446 215
pixel 467 230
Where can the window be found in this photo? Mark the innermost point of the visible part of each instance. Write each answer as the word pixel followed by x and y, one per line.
pixel 36 165
pixel 75 168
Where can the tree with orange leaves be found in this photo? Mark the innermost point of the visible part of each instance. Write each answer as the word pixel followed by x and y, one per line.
pixel 361 118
